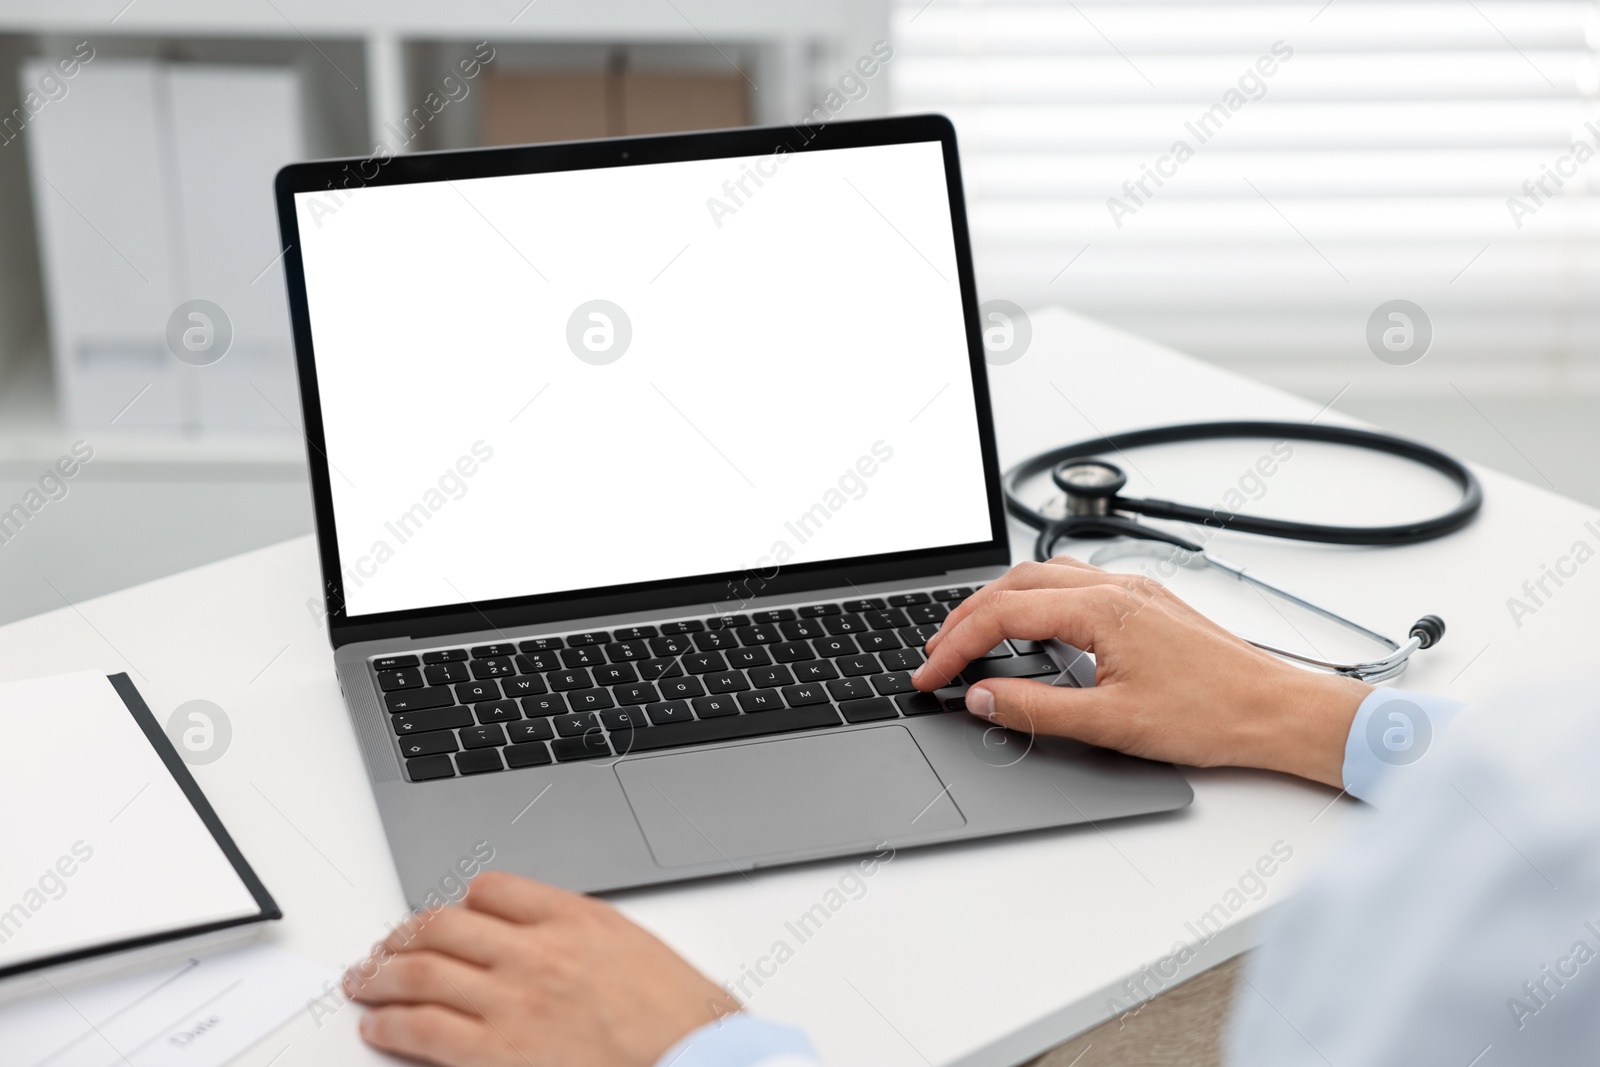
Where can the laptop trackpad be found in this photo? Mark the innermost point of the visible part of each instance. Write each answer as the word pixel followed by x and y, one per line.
pixel 816 794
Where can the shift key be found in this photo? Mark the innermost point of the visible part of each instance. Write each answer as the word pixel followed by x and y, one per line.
pixel 1015 667
pixel 416 722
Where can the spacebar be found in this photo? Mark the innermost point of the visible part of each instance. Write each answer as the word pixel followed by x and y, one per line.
pixel 704 731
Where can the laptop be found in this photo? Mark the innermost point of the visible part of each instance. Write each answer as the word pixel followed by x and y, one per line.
pixel 643 468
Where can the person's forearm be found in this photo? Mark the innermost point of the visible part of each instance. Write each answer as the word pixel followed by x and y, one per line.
pixel 1307 733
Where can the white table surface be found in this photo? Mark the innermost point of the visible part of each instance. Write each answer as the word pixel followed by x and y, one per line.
pixel 975 954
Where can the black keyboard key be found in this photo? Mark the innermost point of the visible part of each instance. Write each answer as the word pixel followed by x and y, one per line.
pixel 482 761
pixel 901 600
pixel 530 730
pixel 772 677
pixel 652 669
pixel 539 662
pixel 714 707
pixel 879 641
pixel 675 688
pixel 849 688
pixel 714 639
pixel 891 684
pixel 671 644
pixel 627 651
pixel 636 693
pixel 903 659
pixel 815 611
pixel 592 637
pixel 802 629
pixel 446 673
pixel 589 746
pixel 800 695
pixel 583 656
pixel 428 744
pixel 1013 667
pixel 758 635
pixel 869 710
pixel 778 615
pixel 534 754
pixel 393 663
pixel 872 604
pixel 835 646
pixel 497 711
pixel 792 651
pixel 687 626
pixel 624 719
pixel 405 678
pixel 919 704
pixel 494 651
pixel 483 736
pixel 747 657
pixel 417 699
pixel 496 667
pixel 540 644
pixel 669 711
pixel 549 704
pixel 430 767
pixel 1026 648
pixel 634 633
pixel 615 674
pixel 561 681
pixel 1000 651
pixel 728 622
pixel 575 725
pixel 917 636
pixel 953 595
pixel 445 655
pixel 725 682
pixel 734 726
pixel 760 700
pixel 926 613
pixel 816 670
pixel 589 699
pixel 704 662
pixel 524 685
pixel 420 722
pixel 892 619
pixel 855 666
pixel 472 692
pixel 844 624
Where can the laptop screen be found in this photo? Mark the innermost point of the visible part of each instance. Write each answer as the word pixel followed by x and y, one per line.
pixel 574 380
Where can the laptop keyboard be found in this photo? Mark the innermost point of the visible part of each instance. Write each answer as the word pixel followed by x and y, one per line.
pixel 696 681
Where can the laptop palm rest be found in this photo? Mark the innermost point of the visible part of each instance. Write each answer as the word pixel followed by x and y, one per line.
pixel 817 794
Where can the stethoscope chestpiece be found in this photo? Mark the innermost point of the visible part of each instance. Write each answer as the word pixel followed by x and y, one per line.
pixel 1089 484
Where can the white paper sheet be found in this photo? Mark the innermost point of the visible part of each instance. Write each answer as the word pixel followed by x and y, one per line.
pixel 100 843
pixel 188 1013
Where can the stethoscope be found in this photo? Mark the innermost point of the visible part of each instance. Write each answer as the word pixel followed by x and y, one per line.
pixel 1096 509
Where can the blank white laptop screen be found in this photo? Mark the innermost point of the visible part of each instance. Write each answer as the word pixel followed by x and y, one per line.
pixel 553 382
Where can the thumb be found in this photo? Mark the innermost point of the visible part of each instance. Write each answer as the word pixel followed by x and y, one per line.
pixel 1034 707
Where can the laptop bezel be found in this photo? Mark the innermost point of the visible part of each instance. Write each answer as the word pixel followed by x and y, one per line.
pixel 335 175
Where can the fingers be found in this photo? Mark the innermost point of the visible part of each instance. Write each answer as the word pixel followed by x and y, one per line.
pixel 435 1035
pixel 1076 616
pixel 1060 572
pixel 1033 707
pixel 518 900
pixel 468 935
pixel 422 978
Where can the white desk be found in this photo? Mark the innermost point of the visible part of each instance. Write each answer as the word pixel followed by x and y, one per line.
pixel 975 955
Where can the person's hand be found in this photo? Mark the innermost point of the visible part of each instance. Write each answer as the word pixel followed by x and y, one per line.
pixel 1169 683
pixel 522 974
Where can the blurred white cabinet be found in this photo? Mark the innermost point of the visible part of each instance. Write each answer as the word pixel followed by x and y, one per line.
pixel 153 186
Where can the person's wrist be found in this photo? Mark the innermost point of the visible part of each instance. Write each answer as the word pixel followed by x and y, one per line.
pixel 1304 723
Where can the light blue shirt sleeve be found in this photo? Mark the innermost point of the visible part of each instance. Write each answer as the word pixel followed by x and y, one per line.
pixel 742 1041
pixel 1392 731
